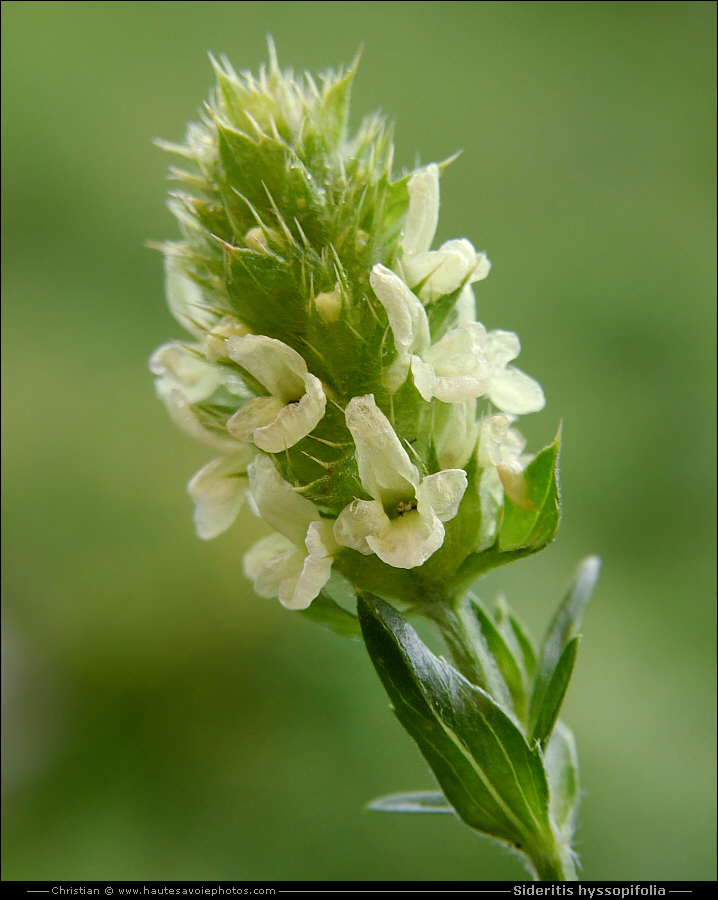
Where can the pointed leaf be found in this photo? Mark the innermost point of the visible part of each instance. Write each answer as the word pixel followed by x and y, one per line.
pixel 563 629
pixel 488 773
pixel 561 762
pixel 327 612
pixel 334 110
pixel 517 637
pixel 567 621
pixel 546 706
pixel 502 652
pixel 525 642
pixel 412 802
pixel 533 525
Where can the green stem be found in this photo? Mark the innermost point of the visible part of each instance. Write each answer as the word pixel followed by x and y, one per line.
pixel 557 866
pixel 468 648
pixel 465 642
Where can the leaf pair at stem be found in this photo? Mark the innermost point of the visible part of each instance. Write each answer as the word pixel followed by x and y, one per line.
pixel 505 765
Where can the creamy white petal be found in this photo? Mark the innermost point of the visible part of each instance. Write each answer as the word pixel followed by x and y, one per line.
pixel 358 520
pixel 218 491
pixel 407 320
pixel 316 568
pixel 409 540
pixel 514 392
pixel 297 401
pixel 186 301
pixel 314 575
pixel 481 269
pixel 440 272
pixel 424 377
pixel 500 347
pixel 184 417
pixel 320 541
pixel 215 343
pixel 293 421
pixel 397 300
pixel 491 438
pixel 442 493
pixel 465 307
pixel 501 456
pixel 456 433
pixel 294 574
pixel 454 369
pixel 456 389
pixel 266 550
pixel 512 456
pixel 254 414
pixel 423 214
pixel 277 501
pixel 276 366
pixel 181 367
pixel 279 577
pixel 385 469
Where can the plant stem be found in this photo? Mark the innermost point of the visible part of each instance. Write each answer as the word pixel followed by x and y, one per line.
pixel 558 866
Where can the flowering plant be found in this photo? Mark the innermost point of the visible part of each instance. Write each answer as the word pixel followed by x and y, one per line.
pixel 364 413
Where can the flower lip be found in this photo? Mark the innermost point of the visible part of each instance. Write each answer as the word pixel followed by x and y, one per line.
pixel 218 491
pixel 296 403
pixel 296 563
pixel 403 523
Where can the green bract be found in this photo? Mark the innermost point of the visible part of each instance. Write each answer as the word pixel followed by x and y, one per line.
pixel 336 362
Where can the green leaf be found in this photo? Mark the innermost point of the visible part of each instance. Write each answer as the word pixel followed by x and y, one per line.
pixel 567 621
pixel 554 656
pixel 561 762
pixel 509 666
pixel 333 112
pixel 470 650
pixel 517 638
pixel 525 643
pixel 326 611
pixel 412 802
pixel 533 524
pixel 544 713
pixel 493 779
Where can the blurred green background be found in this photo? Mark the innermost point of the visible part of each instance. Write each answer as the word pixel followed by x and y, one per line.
pixel 162 722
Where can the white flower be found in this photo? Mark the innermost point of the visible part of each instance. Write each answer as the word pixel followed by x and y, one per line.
pixel 455 433
pixel 434 273
pixel 453 370
pixel 295 564
pixel 184 377
pixel 219 490
pixel 296 403
pixel 503 461
pixel 439 272
pixel 182 367
pixel 422 217
pixel 511 391
pixel 407 320
pixel 403 523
